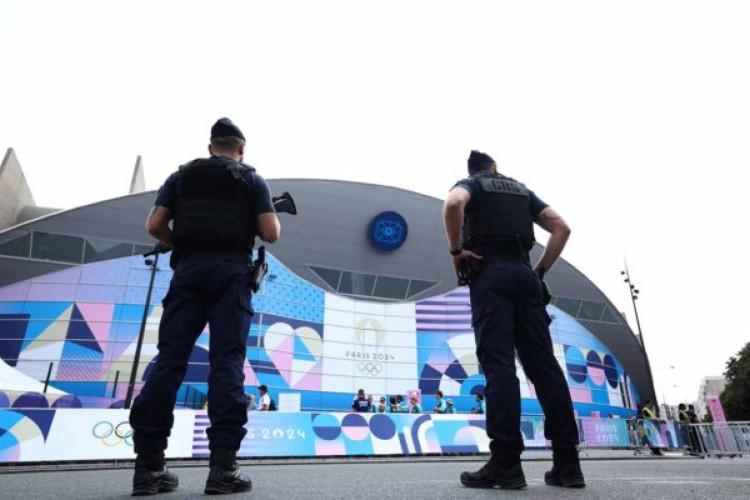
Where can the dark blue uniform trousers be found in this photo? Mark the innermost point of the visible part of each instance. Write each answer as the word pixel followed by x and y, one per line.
pixel 207 287
pixel 509 316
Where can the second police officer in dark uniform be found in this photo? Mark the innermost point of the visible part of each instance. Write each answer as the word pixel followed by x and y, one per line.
pixel 218 206
pixel 489 221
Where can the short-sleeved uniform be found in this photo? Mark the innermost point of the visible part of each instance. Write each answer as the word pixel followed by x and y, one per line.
pixel 509 316
pixel 207 287
pixel 361 405
pixel 440 406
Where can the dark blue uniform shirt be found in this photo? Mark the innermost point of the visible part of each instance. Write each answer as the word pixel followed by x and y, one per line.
pixel 536 206
pixel 167 196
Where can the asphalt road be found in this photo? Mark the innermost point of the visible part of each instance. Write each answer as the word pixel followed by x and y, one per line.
pixel 611 479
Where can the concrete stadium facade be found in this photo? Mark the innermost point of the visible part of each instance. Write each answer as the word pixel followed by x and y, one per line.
pixel 336 313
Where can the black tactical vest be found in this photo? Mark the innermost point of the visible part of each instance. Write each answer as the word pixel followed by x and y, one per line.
pixel 499 212
pixel 213 210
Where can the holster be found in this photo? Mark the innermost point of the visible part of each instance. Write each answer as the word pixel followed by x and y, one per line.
pixel 546 295
pixel 258 270
pixel 468 270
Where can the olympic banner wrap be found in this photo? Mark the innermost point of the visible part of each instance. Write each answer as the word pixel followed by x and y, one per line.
pixel 664 434
pixel 78 434
pixel 604 433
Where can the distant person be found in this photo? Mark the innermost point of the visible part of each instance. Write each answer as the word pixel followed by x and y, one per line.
pixel 481 407
pixel 682 413
pixel 688 418
pixel 251 402
pixel 392 407
pixel 370 402
pixel 692 415
pixel 449 408
pixel 648 412
pixel 266 402
pixel 401 406
pixel 382 406
pixel 209 212
pixel 440 404
pixel 361 403
pixel 415 406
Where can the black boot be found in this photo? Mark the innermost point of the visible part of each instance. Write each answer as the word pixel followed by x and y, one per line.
pixel 503 472
pixel 152 476
pixel 225 475
pixel 566 469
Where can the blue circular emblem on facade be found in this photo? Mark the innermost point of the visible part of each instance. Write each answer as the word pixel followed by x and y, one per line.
pixel 388 231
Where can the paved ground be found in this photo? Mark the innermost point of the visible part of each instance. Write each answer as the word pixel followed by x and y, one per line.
pixel 611 479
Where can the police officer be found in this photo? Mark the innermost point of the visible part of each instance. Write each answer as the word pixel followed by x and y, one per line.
pixel 217 205
pixel 489 221
pixel 361 404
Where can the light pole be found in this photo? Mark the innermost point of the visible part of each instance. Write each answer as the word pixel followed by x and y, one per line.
pixel 152 263
pixel 634 292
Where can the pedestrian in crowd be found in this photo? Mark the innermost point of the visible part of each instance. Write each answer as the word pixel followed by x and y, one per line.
pixel 382 406
pixel 689 418
pixel 250 402
pixel 481 407
pixel 489 221
pixel 209 212
pixel 415 406
pixel 401 406
pixel 449 408
pixel 361 404
pixel 648 412
pixel 266 402
pixel 392 407
pixel 440 404
pixel 692 415
pixel 371 403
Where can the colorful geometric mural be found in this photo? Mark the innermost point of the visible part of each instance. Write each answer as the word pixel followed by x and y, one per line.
pixel 79 327
pixel 23 433
pixel 447 358
pixel 96 434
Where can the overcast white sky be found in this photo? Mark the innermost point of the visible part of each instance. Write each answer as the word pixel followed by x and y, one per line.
pixel 631 118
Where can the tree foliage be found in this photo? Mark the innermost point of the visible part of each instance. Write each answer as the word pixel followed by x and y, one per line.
pixel 736 396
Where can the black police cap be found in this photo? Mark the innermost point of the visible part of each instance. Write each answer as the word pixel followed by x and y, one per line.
pixel 225 128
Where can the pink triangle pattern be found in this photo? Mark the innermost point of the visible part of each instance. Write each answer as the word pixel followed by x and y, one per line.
pixel 312 380
pixel 98 318
pixel 282 357
pixel 250 377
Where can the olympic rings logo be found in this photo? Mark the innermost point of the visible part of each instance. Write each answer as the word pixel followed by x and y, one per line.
pixel 112 435
pixel 372 369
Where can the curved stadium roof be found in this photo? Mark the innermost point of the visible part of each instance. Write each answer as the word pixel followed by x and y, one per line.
pixel 326 244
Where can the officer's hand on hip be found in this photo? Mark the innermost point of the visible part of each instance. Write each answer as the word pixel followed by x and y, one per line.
pixel 465 254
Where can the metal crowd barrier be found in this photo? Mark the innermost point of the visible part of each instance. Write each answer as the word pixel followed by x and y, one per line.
pixel 651 436
pixel 722 439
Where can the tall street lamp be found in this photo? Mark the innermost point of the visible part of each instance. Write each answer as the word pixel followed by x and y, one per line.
pixel 152 263
pixel 634 292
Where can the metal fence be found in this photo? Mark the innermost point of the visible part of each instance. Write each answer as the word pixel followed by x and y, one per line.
pixel 652 437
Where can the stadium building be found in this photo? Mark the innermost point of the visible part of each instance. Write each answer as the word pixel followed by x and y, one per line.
pixel 360 294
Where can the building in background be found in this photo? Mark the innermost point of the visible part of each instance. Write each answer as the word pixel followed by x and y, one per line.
pixel 711 387
pixel 360 294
